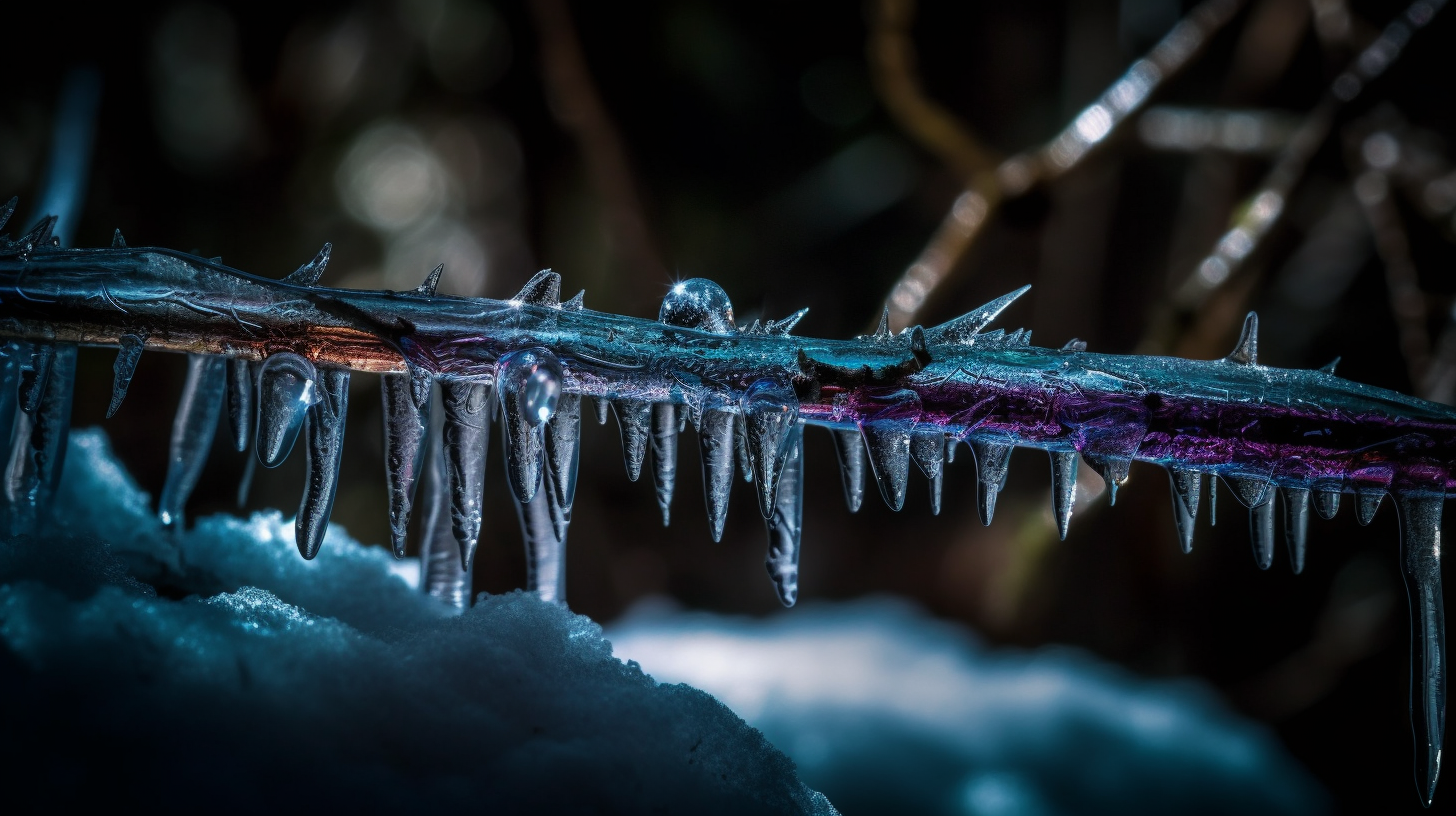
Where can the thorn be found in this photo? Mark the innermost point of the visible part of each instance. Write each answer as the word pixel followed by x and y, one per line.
pixel 1247 350
pixel 432 282
pixel 1075 345
pixel 1329 368
pixel 1296 525
pixel 787 324
pixel 117 242
pixel 543 289
pixel 963 329
pixel 576 302
pixel 39 234
pixel 883 332
pixel 309 273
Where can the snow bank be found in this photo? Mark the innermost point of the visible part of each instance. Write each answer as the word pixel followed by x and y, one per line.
pixel 889 711
pixel 141 667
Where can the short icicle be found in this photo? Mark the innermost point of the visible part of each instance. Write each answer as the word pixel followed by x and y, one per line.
pixel 286 388
pixel 992 461
pixel 770 415
pixel 1367 501
pixel 1296 525
pixel 38 449
pixel 786 524
pixel 888 445
pixel 1326 501
pixel 242 378
pixel 634 418
pixel 33 375
pixel 1064 488
pixel 851 450
pixel 406 397
pixel 664 455
pixel 1261 530
pixel 1420 555
pixel 324 449
pixel 715 437
pixel 927 448
pixel 192 431
pixel 563 458
pixel 1187 485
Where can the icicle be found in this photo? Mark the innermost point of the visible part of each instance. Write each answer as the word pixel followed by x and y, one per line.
pixel 634 418
pixel 992 460
pixel 563 457
pixel 786 524
pixel 1420 555
pixel 664 455
pixel 1187 485
pixel 442 575
pixel 468 409
pixel 740 449
pixel 529 384
pixel 192 432
pixel 770 415
pixel 1250 491
pixel 1296 525
pixel 432 282
pixel 241 383
pixel 1366 503
pixel 716 440
pixel 888 444
pixel 1113 469
pixel 129 351
pixel 285 392
pixel 1064 488
pixel 1326 501
pixel 543 289
pixel 1246 352
pixel 851 450
pixel 39 445
pixel 406 420
pixel 325 451
pixel 1261 530
pixel 33 375
pixel 309 273
pixel 927 448
pixel 603 408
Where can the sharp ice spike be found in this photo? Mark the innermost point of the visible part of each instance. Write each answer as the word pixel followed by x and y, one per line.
pixel 1247 350
pixel 1250 491
pixel 325 450
pixel 740 449
pixel 432 282
pixel 468 408
pixel 406 401
pixel 309 273
pixel 603 408
pixel 117 242
pixel 1261 530
pixel 40 234
pixel 786 325
pixel 543 529
pixel 577 302
pixel 1420 552
pixel 927 448
pixel 563 453
pixel 770 415
pixel 992 460
pixel 1296 525
pixel 543 289
pixel 192 432
pixel 716 440
pixel 882 332
pixel 1064 488
pixel 664 455
pixel 1366 503
pixel 963 329
pixel 634 417
pixel 529 385
pixel 851 450
pixel 1114 471
pixel 936 483
pixel 1327 502
pixel 888 444
pixel 286 389
pixel 1329 368
pixel 33 375
pixel 127 355
pixel 786 523
pixel 39 445
pixel 1183 518
pixel 242 377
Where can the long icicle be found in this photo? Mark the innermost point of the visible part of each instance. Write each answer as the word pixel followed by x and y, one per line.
pixel 192 432
pixel 325 449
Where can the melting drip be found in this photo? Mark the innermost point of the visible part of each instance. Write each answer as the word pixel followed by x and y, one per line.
pixel 1187 485
pixel 634 417
pixel 466 438
pixel 770 415
pixel 406 420
pixel 851 451
pixel 242 377
pixel 325 450
pixel 192 432
pixel 927 448
pixel 1296 525
pixel 785 525
pixel 664 455
pixel 888 444
pixel 285 392
pixel 128 352
pixel 529 383
pixel 38 446
pixel 715 436
pixel 992 460
pixel 1064 488
pixel 1420 550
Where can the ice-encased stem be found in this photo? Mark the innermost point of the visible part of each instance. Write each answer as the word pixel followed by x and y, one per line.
pixel 664 456
pixel 324 432
pixel 786 524
pixel 716 441
pixel 1420 544
pixel 192 431
pixel 38 444
pixel 406 421
pixel 466 437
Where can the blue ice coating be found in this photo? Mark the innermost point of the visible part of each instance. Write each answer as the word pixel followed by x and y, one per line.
pixel 886 710
pixel 213 667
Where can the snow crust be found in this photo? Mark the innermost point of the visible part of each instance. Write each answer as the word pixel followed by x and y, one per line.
pixel 216 669
pixel 887 710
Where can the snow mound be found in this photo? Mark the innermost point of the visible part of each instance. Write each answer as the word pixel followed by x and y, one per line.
pixel 887 710
pixel 142 666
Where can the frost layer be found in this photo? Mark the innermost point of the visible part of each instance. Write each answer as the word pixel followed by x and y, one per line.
pixel 144 667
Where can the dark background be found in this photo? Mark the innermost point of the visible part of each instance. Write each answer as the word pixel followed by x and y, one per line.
pixel 227 130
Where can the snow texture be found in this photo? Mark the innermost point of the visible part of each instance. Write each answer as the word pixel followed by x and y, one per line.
pixel 889 711
pixel 217 670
